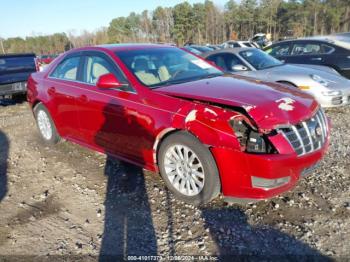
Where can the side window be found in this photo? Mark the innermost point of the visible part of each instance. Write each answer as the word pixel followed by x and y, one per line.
pixel 225 61
pixel 68 69
pixel 327 49
pixel 219 60
pixel 307 49
pixel 96 66
pixel 278 50
pixel 231 60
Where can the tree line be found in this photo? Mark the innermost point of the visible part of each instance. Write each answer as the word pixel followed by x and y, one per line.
pixel 202 23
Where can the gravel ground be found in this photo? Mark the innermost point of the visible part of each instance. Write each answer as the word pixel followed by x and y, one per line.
pixel 69 202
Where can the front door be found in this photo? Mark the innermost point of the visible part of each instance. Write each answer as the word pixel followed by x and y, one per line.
pixel 61 88
pixel 109 118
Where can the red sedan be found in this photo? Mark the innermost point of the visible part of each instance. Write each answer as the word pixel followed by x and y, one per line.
pixel 169 111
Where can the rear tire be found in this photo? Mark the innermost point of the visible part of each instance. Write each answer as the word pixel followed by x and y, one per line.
pixel 188 169
pixel 46 126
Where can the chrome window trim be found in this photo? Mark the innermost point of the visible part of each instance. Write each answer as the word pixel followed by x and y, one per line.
pixel 81 82
pixel 81 54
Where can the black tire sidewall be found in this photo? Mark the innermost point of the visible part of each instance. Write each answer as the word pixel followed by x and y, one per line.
pixel 212 183
pixel 55 138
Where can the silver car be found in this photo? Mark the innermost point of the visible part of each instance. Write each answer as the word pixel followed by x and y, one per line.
pixel 324 83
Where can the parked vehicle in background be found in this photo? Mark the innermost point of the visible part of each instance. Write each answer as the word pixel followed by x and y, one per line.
pixel 317 51
pixel 261 40
pixel 14 72
pixel 214 47
pixel 326 85
pixel 44 60
pixel 233 44
pixel 343 36
pixel 197 49
pixel 170 111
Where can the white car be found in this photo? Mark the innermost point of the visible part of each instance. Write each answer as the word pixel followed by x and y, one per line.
pixel 328 87
pixel 233 44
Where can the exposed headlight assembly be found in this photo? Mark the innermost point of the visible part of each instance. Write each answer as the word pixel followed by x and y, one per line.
pixel 256 143
pixel 320 80
pixel 250 139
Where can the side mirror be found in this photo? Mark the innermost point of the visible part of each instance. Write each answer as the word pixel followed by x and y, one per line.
pixel 239 68
pixel 108 81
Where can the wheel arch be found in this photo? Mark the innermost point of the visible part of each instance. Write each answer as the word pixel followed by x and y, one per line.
pixel 165 133
pixel 35 104
pixel 38 102
pixel 158 141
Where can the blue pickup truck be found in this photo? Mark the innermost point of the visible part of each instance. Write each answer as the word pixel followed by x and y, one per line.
pixel 14 72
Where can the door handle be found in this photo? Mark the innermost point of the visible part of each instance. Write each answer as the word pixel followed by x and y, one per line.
pixel 83 98
pixel 316 59
pixel 51 91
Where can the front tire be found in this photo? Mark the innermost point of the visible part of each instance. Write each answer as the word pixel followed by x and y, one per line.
pixel 188 169
pixel 45 125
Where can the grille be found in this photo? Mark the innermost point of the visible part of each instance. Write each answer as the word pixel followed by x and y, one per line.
pixel 307 136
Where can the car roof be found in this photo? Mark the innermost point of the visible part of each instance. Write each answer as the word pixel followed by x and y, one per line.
pixel 234 50
pixel 324 39
pixel 121 47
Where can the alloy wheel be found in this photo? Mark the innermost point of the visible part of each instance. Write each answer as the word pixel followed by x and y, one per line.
pixel 184 170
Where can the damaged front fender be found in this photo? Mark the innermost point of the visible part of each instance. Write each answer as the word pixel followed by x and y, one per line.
pixel 210 124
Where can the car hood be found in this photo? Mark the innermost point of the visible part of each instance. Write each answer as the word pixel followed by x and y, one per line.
pixel 268 104
pixel 300 71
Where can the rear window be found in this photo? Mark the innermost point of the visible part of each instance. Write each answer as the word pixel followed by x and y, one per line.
pixel 17 63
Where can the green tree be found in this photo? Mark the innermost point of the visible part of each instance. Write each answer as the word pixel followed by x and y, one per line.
pixel 183 23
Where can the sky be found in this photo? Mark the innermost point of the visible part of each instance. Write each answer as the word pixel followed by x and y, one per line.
pixel 41 17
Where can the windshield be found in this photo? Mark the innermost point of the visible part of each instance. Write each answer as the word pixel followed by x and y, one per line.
pixel 155 67
pixel 259 59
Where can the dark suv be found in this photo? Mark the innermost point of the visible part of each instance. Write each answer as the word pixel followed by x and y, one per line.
pixel 327 52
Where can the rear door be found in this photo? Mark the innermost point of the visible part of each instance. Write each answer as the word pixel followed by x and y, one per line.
pixel 310 52
pixel 62 85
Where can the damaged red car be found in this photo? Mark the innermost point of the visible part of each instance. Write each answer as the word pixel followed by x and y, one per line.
pixel 169 111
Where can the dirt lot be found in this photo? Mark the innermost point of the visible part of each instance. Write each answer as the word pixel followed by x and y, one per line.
pixel 69 202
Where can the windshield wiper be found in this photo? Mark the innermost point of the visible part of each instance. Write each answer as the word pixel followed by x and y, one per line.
pixel 211 75
pixel 179 81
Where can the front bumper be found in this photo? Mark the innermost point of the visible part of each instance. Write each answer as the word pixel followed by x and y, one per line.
pixel 237 169
pixel 13 88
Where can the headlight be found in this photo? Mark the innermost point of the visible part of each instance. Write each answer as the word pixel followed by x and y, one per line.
pixel 320 80
pixel 249 139
pixel 332 93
